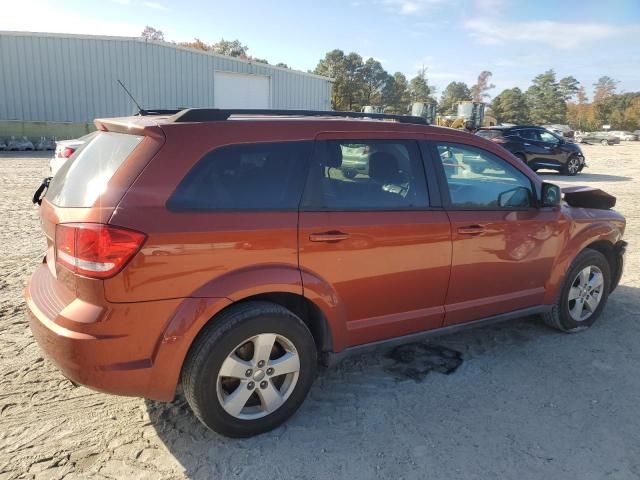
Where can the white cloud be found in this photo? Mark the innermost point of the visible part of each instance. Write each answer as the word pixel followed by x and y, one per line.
pixel 409 7
pixel 490 31
pixel 155 5
pixel 34 16
pixel 490 6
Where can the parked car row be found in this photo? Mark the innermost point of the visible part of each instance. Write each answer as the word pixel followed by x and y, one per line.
pixel 22 144
pixel 626 136
pixel 604 138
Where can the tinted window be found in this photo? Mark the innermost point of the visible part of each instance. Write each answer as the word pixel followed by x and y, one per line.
pixel 477 179
pixel 370 175
pixel 489 134
pixel 528 134
pixel 261 176
pixel 84 177
pixel 548 137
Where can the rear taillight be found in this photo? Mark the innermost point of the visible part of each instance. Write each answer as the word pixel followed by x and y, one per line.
pixel 96 250
pixel 66 152
pixel 498 140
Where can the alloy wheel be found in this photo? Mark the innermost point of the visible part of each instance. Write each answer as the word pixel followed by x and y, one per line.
pixel 585 293
pixel 258 376
pixel 573 166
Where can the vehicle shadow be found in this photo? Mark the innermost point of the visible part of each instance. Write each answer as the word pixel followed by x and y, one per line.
pixel 520 384
pixel 583 177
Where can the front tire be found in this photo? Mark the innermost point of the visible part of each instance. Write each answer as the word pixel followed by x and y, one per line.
pixel 572 167
pixel 604 142
pixel 583 295
pixel 250 369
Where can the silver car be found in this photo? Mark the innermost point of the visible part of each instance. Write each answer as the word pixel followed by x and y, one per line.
pixel 605 138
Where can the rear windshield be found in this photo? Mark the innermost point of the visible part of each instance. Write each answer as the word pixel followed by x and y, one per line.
pixel 84 177
pixel 489 134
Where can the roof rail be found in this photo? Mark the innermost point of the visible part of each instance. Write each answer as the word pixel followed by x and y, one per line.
pixel 158 111
pixel 217 114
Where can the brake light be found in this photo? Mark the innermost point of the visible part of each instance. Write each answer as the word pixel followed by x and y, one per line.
pixel 67 152
pixel 96 250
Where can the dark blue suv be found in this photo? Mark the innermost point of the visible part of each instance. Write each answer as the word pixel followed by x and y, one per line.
pixel 538 147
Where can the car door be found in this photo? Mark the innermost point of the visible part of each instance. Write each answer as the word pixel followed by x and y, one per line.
pixel 373 239
pixel 553 146
pixel 536 151
pixel 503 246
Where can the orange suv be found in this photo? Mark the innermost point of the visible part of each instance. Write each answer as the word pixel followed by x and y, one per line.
pixel 230 251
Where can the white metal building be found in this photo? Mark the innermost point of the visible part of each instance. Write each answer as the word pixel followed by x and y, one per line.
pixel 73 78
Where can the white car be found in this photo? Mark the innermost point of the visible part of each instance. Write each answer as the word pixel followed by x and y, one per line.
pixel 625 136
pixel 64 149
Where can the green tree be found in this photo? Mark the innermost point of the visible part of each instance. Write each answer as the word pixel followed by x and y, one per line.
pixel 374 78
pixel 419 88
pixel 346 70
pixel 569 87
pixel 510 106
pixel 453 94
pixel 604 88
pixel 482 86
pixel 545 100
pixel 604 101
pixel 395 94
pixel 150 33
pixel 231 48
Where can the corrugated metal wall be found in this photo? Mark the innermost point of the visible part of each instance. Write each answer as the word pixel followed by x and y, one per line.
pixel 72 78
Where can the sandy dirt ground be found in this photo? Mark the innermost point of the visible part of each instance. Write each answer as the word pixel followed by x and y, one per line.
pixel 526 402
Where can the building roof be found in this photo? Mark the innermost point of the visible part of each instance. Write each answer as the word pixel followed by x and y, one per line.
pixel 77 36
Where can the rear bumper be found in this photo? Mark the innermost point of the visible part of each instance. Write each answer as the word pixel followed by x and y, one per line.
pixel 108 347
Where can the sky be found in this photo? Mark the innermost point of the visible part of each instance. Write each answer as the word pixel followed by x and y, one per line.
pixel 453 39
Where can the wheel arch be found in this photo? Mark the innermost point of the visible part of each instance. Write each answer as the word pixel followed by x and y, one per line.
pixel 601 236
pixel 608 249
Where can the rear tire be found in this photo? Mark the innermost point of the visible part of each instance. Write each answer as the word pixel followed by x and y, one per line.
pixel 253 341
pixel 604 142
pixel 583 295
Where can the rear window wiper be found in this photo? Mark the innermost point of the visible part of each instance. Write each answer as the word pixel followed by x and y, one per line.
pixel 41 191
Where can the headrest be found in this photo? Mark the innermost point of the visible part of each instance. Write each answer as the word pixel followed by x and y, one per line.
pixel 332 157
pixel 383 167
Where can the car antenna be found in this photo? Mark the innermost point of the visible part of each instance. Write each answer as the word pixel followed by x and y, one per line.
pixel 141 111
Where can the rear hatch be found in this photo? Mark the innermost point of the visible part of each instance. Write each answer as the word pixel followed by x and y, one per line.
pixel 83 195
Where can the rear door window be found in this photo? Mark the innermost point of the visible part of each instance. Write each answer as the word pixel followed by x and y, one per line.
pixel 259 176
pixel 366 175
pixel 84 176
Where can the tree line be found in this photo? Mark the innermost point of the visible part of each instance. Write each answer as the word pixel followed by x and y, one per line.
pixel 548 100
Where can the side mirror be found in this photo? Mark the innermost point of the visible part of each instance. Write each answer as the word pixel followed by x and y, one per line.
pixel 519 197
pixel 551 195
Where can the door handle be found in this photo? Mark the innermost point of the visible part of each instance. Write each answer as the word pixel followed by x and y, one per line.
pixel 471 230
pixel 333 236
